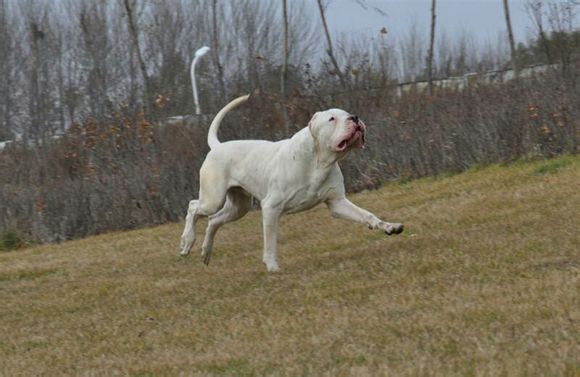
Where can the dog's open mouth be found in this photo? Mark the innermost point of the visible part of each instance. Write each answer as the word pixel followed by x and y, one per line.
pixel 357 138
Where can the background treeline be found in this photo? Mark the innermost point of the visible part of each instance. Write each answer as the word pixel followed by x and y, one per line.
pixel 105 75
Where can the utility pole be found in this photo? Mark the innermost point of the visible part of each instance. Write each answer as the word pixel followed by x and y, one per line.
pixel 508 21
pixel 431 45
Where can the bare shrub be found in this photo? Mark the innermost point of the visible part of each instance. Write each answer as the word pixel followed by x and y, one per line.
pixel 123 171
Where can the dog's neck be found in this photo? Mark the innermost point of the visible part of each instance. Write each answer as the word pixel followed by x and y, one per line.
pixel 322 158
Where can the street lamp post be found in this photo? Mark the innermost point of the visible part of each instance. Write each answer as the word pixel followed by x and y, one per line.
pixel 198 54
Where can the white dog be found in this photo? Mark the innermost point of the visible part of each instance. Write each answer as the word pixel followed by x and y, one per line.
pixel 286 176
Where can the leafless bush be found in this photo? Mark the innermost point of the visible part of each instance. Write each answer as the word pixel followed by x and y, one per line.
pixel 425 135
pixel 124 171
pixel 102 175
pixel 116 70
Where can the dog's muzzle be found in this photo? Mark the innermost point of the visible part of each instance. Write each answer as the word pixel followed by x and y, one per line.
pixel 356 136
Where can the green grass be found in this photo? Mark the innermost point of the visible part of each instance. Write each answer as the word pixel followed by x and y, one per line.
pixel 11 240
pixel 484 281
pixel 553 166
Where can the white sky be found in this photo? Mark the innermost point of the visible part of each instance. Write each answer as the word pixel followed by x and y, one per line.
pixel 484 19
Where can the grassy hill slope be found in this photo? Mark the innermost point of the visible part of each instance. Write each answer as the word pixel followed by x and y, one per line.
pixel 484 280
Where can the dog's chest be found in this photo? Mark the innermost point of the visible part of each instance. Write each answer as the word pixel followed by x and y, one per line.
pixel 312 193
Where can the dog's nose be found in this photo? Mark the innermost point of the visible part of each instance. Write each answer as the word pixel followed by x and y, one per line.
pixel 354 118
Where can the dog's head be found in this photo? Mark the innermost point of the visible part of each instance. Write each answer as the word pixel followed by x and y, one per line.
pixel 337 130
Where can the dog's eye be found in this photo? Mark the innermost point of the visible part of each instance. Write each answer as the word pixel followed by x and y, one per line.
pixel 331 119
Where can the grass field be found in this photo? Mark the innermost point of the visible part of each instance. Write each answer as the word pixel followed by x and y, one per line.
pixel 484 281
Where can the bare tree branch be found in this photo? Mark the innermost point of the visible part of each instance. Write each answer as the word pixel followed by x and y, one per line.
pixel 329 50
pixel 365 5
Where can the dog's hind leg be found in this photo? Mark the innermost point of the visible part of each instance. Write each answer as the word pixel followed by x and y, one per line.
pixel 188 235
pixel 212 195
pixel 238 203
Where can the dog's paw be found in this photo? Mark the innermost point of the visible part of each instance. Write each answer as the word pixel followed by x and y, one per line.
pixel 186 244
pixel 184 248
pixel 206 256
pixel 392 228
pixel 272 266
pixel 184 253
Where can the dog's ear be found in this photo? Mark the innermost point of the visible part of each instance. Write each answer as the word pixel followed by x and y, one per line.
pixel 312 120
pixel 310 125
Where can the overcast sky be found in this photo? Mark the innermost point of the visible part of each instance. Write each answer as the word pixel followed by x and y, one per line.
pixel 484 19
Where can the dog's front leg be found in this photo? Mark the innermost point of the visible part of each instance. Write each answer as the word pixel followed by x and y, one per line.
pixel 270 220
pixel 344 209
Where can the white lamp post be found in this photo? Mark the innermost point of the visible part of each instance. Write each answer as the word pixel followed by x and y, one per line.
pixel 198 54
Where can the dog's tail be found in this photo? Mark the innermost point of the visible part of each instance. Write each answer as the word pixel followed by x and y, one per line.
pixel 212 139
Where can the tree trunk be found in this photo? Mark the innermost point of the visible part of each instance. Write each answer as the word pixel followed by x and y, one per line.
pixel 284 72
pixel 215 53
pixel 35 92
pixel 135 38
pixel 508 22
pixel 535 9
pixel 61 90
pixel 431 44
pixel 329 50
pixel 545 43
pixel 5 72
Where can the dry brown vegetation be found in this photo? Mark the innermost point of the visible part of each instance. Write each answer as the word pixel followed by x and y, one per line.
pixel 97 82
pixel 92 144
pixel 128 172
pixel 483 282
